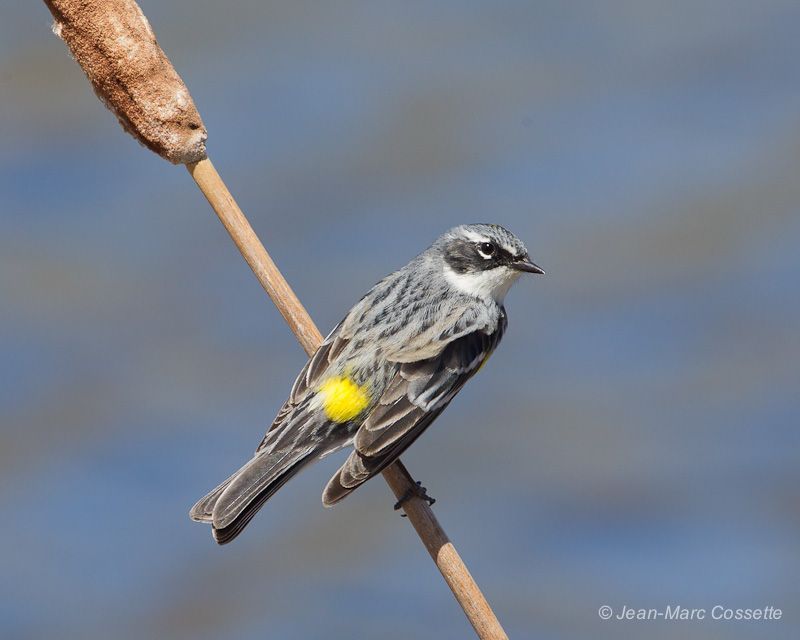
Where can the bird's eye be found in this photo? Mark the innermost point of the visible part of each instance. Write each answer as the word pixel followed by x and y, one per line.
pixel 487 250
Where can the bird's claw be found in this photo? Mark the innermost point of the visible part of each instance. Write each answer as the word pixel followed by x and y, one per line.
pixel 416 490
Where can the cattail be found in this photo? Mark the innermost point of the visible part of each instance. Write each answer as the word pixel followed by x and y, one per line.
pixel 113 43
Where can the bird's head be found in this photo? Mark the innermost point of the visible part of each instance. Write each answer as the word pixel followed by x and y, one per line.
pixel 483 260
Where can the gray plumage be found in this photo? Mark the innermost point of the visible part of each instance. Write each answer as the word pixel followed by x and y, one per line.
pixel 411 343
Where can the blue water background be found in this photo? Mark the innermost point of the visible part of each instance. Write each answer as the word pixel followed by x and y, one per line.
pixel 633 442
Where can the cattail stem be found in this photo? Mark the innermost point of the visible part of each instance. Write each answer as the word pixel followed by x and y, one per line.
pixel 254 253
pixel 444 554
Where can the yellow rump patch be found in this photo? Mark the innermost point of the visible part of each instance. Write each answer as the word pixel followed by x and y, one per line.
pixel 343 399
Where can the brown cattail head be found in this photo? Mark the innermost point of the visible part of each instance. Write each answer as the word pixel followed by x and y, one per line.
pixel 113 43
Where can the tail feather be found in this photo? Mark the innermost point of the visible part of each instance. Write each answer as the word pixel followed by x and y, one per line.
pixel 303 438
pixel 203 510
pixel 231 505
pixel 235 522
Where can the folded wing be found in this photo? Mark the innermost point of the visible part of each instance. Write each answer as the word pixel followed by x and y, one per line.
pixel 417 394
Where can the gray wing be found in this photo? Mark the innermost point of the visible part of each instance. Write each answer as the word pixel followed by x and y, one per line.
pixel 417 394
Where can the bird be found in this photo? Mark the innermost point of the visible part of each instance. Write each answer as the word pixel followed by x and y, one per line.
pixel 384 373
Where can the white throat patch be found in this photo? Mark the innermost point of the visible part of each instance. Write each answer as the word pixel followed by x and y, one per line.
pixel 492 284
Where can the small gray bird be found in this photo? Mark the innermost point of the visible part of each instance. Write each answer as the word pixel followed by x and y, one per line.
pixel 384 373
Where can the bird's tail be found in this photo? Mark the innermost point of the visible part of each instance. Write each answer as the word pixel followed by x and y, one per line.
pixel 233 503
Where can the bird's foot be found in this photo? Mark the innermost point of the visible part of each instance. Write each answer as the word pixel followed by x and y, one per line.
pixel 415 490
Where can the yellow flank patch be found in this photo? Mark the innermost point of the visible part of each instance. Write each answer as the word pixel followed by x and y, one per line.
pixel 343 399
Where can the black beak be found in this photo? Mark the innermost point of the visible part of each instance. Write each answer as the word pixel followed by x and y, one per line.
pixel 527 266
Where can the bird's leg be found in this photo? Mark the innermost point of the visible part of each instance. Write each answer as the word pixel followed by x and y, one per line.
pixel 415 490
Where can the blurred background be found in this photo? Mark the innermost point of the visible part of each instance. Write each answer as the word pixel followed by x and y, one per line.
pixel 633 442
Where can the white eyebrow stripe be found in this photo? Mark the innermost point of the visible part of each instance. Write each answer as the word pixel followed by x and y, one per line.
pixel 475 237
